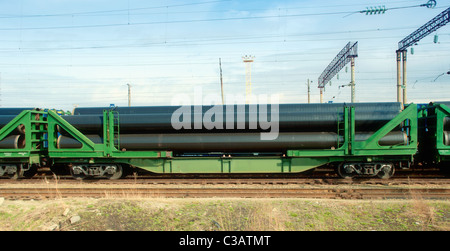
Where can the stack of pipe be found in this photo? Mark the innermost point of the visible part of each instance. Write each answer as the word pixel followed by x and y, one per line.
pixel 301 126
pixel 446 123
pixel 447 130
pixel 16 140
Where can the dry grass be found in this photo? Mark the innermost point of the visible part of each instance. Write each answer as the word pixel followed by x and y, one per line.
pixel 426 214
pixel 226 214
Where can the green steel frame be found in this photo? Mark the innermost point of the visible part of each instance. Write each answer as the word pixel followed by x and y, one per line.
pixel 108 149
pixel 435 115
pixel 294 160
pixel 407 120
pixel 35 129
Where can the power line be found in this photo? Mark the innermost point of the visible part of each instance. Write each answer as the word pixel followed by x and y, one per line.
pixel 217 40
pixel 374 10
pixel 175 21
pixel 182 21
pixel 108 11
pixel 125 11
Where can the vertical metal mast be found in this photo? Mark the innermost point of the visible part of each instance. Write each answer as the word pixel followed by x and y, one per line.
pixel 309 93
pixel 352 83
pixel 221 80
pixel 399 76
pixel 129 95
pixel 248 60
pixel 431 26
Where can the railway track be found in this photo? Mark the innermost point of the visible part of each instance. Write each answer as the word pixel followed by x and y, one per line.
pixel 322 193
pixel 238 181
pixel 332 188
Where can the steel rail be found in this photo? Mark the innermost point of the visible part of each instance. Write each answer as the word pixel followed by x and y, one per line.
pixel 225 192
pixel 161 180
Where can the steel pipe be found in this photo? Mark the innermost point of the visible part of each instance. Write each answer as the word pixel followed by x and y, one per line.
pixel 291 117
pixel 288 122
pixel 213 142
pixel 5 119
pixel 13 142
pixel 283 108
pixel 391 139
pixel 13 111
pixel 249 142
pixel 447 138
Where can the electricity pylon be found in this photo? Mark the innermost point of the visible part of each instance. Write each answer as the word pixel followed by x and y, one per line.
pixel 431 26
pixel 345 56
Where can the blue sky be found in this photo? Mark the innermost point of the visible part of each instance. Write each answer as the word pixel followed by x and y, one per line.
pixel 63 53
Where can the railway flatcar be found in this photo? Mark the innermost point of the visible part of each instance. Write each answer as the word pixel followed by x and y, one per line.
pixel 358 139
pixel 434 135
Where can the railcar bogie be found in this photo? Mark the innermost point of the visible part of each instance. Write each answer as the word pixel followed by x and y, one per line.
pixel 16 171
pixel 109 171
pixel 383 170
pixel 12 171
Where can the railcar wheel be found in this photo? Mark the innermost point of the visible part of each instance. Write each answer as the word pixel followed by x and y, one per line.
pixel 76 172
pixel 346 170
pixel 386 171
pixel 14 172
pixel 118 173
pixel 17 171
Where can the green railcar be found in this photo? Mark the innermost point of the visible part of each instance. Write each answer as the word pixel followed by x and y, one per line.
pixel 352 156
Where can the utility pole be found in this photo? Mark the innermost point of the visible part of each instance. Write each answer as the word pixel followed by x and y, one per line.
pixel 399 76
pixel 321 95
pixel 129 95
pixel 248 60
pixel 221 80
pixel 401 69
pixel 404 76
pixel 309 93
pixel 352 83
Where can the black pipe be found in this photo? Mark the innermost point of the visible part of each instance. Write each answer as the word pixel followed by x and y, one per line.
pixel 13 111
pixel 5 119
pixel 391 139
pixel 313 108
pixel 214 142
pixel 447 138
pixel 292 118
pixel 161 123
pixel 446 123
pixel 249 142
pixel 13 142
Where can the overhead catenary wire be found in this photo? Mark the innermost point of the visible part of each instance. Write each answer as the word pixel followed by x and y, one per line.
pixel 189 20
pixel 109 11
pixel 219 40
pixel 126 11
